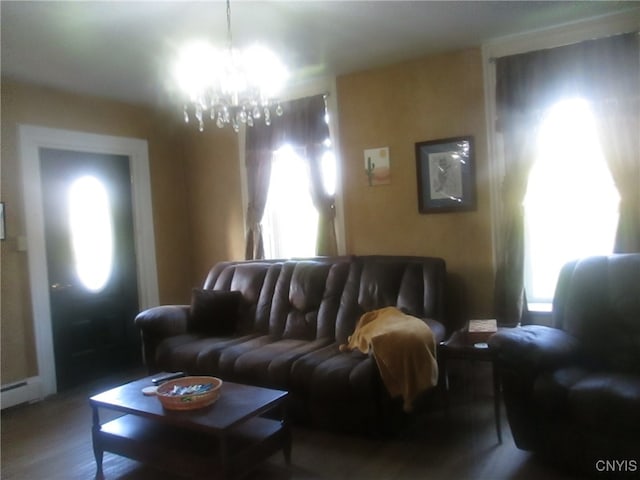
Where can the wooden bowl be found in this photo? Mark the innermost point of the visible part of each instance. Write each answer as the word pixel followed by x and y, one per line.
pixel 189 401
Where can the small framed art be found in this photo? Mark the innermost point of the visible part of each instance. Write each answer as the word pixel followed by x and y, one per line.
pixel 446 175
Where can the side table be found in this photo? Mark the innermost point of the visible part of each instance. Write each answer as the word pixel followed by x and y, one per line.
pixel 462 346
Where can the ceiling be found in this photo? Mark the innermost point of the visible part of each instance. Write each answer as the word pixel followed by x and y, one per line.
pixel 124 50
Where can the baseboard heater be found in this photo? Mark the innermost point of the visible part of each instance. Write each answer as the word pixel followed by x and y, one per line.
pixel 23 391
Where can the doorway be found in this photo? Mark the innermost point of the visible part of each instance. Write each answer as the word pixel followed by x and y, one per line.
pixel 91 263
pixel 92 336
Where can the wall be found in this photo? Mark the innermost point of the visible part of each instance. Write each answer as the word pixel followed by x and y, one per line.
pixel 435 97
pixel 215 199
pixel 25 104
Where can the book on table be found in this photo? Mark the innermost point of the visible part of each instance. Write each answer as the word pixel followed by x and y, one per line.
pixel 479 330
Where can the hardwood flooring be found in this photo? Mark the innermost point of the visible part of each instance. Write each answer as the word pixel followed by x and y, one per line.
pixel 51 440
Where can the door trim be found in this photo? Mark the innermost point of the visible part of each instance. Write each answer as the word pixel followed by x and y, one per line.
pixel 31 139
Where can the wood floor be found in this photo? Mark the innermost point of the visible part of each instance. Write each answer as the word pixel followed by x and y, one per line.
pixel 51 440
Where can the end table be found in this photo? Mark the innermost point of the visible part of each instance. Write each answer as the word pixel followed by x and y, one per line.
pixel 461 345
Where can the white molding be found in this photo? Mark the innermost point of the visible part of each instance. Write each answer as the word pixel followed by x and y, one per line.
pixel 598 27
pixel 334 129
pixel 244 188
pixel 25 391
pixel 31 139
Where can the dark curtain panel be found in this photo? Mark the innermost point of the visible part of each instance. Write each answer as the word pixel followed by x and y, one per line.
pixel 519 141
pixel 303 126
pixel 528 84
pixel 258 162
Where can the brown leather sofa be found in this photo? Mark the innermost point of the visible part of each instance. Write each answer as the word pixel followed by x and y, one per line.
pixel 572 391
pixel 279 324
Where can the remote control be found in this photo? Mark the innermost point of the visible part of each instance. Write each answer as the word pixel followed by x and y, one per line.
pixel 167 377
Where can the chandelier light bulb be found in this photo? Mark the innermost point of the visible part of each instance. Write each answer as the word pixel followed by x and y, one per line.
pixel 232 86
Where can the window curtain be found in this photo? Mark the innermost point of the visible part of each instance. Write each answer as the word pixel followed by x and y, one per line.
pixel 326 242
pixel 302 126
pixel 510 300
pixel 603 71
pixel 258 163
pixel 618 118
pixel 619 130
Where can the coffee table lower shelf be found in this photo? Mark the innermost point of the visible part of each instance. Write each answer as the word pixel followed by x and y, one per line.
pixel 190 452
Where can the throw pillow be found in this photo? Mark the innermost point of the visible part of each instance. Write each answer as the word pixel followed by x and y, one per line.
pixel 214 312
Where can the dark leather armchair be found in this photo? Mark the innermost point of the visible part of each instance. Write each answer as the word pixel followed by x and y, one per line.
pixel 572 391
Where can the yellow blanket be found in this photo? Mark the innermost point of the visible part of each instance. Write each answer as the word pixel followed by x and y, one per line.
pixel 404 349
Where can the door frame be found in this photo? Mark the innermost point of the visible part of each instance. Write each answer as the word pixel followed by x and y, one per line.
pixel 31 139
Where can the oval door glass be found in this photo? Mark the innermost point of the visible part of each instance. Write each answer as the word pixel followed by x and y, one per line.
pixel 91 232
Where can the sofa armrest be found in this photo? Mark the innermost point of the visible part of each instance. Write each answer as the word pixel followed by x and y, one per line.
pixel 163 321
pixel 534 348
pixel 158 323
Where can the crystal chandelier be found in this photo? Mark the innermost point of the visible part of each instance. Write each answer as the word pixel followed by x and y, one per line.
pixel 230 87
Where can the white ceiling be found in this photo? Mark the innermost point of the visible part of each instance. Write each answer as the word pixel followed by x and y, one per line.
pixel 123 50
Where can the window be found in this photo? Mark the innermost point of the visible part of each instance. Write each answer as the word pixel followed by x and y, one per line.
pixel 571 205
pixel 91 232
pixel 290 221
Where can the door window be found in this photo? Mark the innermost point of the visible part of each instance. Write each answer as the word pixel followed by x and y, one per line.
pixel 91 232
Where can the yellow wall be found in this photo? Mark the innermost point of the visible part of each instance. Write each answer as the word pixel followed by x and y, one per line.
pixel 24 104
pixel 196 192
pixel 215 199
pixel 435 97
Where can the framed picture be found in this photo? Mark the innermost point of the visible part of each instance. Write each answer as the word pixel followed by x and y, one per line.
pixel 446 175
pixel 376 166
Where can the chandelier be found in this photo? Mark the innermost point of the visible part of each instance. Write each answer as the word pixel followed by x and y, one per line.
pixel 230 87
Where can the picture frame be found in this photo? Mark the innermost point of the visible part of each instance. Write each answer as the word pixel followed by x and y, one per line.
pixel 446 175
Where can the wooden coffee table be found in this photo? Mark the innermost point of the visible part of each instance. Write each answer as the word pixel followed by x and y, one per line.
pixel 226 439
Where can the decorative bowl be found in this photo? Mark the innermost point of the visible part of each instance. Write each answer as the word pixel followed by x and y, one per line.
pixel 189 393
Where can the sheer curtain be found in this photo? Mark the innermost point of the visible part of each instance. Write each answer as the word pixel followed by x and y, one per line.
pixel 304 126
pixel 619 126
pixel 606 72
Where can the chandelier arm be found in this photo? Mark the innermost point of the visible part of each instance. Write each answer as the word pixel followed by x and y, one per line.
pixel 229 37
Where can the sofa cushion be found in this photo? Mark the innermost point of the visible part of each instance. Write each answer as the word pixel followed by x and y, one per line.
pixel 341 389
pixel 297 300
pixel 306 299
pixel 551 390
pixel 597 400
pixel 256 281
pixel 535 348
pixel 214 312
pixel 439 332
pixel 183 352
pixel 226 362
pixel 270 364
pixel 600 305
pixel 607 402
pixel 208 359
pixel 178 353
